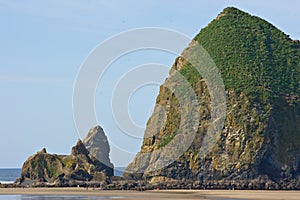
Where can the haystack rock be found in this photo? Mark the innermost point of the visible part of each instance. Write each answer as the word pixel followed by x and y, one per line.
pixel 260 137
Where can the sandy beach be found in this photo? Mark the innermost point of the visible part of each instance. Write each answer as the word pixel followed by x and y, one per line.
pixel 158 194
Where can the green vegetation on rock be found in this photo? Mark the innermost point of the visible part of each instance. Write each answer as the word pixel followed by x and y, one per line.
pixel 260 67
pixel 254 56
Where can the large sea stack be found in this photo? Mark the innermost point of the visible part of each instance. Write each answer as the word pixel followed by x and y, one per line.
pixel 260 137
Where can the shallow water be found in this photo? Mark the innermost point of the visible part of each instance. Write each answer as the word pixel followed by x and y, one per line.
pixel 53 197
pixel 70 197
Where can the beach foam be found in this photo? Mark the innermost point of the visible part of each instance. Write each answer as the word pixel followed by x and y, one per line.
pixel 6 182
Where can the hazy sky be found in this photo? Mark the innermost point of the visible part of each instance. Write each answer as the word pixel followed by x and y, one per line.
pixel 44 43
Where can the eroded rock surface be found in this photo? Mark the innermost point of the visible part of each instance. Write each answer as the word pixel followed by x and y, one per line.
pixel 260 139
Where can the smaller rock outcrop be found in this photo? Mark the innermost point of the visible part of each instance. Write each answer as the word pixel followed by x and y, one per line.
pixel 97 144
pixel 79 168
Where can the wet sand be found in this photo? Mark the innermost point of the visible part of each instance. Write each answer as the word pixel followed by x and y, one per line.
pixel 159 194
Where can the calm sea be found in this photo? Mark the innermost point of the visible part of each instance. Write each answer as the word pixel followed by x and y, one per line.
pixel 10 175
pixel 118 171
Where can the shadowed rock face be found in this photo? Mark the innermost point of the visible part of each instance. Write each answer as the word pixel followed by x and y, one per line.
pixel 260 67
pixel 63 170
pixel 97 144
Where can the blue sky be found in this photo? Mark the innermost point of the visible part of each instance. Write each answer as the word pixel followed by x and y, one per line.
pixel 44 43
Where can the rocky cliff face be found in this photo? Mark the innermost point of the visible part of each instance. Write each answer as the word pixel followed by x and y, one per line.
pixel 97 144
pixel 260 137
pixel 63 170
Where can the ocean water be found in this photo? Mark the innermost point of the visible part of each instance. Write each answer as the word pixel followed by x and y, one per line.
pixel 9 175
pixel 118 171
